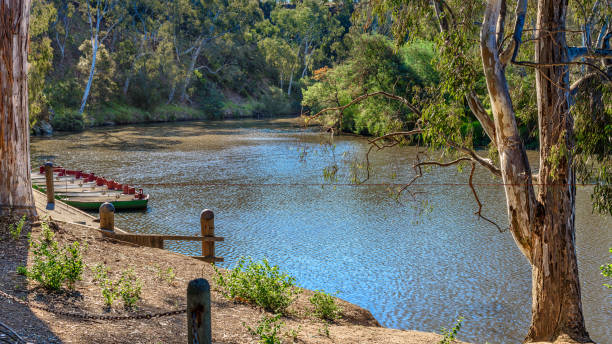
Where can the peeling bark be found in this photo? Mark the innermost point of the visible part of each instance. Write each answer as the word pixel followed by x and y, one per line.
pixel 556 306
pixel 15 183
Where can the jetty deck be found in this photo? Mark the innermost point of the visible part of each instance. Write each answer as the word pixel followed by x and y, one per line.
pixel 62 211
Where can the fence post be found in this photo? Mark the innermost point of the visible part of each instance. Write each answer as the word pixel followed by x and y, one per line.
pixel 107 216
pixel 49 184
pixel 207 224
pixel 198 312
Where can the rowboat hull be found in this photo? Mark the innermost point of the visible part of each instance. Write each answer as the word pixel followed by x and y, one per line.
pixel 88 195
pixel 119 205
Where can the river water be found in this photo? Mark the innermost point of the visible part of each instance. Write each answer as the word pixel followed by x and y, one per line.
pixel 414 264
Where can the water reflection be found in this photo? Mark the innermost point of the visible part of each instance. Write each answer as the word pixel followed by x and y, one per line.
pixel 413 270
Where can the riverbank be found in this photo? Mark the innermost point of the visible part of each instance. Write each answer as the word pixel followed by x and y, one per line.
pixel 111 114
pixel 160 292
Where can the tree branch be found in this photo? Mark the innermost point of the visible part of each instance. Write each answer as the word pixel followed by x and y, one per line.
pixel 362 97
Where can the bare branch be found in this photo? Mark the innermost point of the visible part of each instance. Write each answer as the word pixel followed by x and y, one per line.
pixel 479 212
pixel 362 97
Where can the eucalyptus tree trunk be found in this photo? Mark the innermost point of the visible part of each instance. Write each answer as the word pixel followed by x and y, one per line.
pixel 543 226
pixel 15 183
pixel 194 58
pixel 556 306
pixel 92 69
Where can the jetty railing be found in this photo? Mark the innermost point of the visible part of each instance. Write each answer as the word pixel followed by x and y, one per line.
pixel 207 227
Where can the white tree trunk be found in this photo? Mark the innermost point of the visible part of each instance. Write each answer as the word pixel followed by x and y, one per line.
pixel 194 59
pixel 94 50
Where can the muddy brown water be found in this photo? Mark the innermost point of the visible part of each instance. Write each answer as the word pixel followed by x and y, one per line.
pixel 414 265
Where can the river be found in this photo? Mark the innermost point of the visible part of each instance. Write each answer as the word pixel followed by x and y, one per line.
pixel 414 264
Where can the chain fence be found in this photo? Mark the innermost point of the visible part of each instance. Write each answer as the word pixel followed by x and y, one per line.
pixel 89 316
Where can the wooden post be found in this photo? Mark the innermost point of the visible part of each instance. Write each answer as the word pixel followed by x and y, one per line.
pixel 107 216
pixel 207 224
pixel 198 312
pixel 49 183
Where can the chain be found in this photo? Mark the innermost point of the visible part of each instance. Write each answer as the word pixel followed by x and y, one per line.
pixel 88 316
pixel 194 329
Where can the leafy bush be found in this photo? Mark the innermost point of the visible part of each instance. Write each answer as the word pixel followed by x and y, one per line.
pixel 54 265
pixel 68 120
pixel 109 289
pixel 606 270
pixel 15 228
pixel 167 275
pixel 258 283
pixel 268 329
pixel 130 287
pixel 325 306
pixel 451 335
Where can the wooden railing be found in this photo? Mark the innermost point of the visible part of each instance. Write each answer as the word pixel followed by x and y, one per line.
pixel 207 227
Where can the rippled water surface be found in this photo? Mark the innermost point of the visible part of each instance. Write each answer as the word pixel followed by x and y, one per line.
pixel 413 265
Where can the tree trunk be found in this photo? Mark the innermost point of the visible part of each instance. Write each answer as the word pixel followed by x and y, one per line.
pixel 542 228
pixel 556 303
pixel 92 70
pixel 15 183
pixel 192 63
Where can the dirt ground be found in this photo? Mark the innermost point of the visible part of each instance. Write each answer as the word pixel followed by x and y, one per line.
pixel 159 294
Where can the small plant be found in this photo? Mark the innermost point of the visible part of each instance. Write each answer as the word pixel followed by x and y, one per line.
pixel 606 270
pixel 167 275
pixel 53 265
pixel 451 335
pixel 268 329
pixel 294 333
pixel 324 330
pixel 325 306
pixel 15 228
pixel 109 288
pixel 258 283
pixel 129 288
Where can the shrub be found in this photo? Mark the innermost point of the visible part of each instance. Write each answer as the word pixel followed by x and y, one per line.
pixel 258 283
pixel 15 228
pixel 109 289
pixel 325 306
pixel 451 335
pixel 129 288
pixel 54 265
pixel 68 120
pixel 167 275
pixel 606 270
pixel 268 329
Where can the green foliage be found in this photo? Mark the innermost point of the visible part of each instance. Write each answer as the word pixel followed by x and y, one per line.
pixel 451 335
pixel 606 271
pixel 325 306
pixel 54 266
pixel 167 275
pixel 268 329
pixel 109 288
pixel 68 120
pixel 258 283
pixel 15 228
pixel 130 288
pixel 40 57
pixel 373 64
